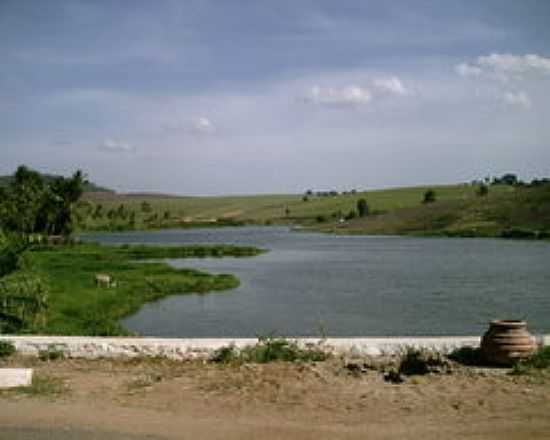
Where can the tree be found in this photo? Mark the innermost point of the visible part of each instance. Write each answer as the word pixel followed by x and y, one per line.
pixel 31 205
pixel 21 201
pixel 429 196
pixel 362 208
pixel 507 179
pixel 146 207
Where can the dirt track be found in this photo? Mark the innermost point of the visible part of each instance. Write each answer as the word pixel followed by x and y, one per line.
pixel 166 400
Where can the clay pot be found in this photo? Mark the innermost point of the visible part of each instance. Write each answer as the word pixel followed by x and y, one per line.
pixel 506 342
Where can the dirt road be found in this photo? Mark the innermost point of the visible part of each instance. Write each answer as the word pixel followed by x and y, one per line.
pixel 137 400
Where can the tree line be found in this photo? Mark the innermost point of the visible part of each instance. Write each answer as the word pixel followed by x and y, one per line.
pixel 31 205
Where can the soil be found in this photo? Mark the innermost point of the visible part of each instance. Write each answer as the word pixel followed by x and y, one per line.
pixel 162 399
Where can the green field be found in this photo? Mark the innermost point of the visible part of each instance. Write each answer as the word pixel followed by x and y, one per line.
pixel 458 210
pixel 77 306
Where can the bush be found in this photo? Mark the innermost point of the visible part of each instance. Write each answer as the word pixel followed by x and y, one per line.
pixel 429 196
pixel 420 362
pixel 269 350
pixel 540 360
pixel 225 355
pixel 321 219
pixel 6 349
pixel 23 302
pixel 51 354
pixel 362 208
pixel 10 253
pixel 470 356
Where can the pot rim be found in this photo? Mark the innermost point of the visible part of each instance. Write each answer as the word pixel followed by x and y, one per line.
pixel 509 323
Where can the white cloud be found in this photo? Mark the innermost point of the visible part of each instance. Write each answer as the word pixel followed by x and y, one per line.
pixel 346 96
pixel 520 99
pixel 507 63
pixel 202 125
pixel 506 66
pixel 464 69
pixel 391 84
pixel 496 74
pixel 115 146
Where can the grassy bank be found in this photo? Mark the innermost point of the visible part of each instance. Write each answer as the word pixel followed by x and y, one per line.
pixel 517 211
pixel 77 306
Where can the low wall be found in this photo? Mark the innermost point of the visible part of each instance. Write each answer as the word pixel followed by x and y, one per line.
pixel 96 347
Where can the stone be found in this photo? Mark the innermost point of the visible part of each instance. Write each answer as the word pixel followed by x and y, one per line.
pixel 15 377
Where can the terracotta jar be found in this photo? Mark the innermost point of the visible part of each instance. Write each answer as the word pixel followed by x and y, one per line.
pixel 506 342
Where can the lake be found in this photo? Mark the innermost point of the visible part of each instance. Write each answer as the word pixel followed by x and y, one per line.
pixel 311 284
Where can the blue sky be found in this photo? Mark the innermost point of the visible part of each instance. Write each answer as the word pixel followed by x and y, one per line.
pixel 219 97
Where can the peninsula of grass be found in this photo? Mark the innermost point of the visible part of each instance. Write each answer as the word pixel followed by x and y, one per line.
pixel 77 306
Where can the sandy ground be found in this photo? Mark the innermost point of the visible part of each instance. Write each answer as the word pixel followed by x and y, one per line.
pixel 155 399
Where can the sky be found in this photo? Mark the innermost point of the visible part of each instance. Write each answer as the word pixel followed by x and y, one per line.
pixel 239 97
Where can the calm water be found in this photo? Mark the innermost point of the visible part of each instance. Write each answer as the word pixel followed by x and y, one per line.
pixel 312 284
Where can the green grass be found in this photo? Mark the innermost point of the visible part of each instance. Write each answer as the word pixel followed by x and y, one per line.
pixel 457 211
pixel 269 350
pixel 538 363
pixel 76 306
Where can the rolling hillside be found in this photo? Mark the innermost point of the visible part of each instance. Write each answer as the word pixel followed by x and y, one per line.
pixel 458 210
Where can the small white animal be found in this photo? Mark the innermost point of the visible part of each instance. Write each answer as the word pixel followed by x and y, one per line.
pixel 103 279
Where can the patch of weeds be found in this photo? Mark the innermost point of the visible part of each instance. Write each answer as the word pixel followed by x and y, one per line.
pixel 6 349
pixel 43 386
pixel 270 349
pixel 51 354
pixel 226 355
pixel 419 362
pixel 537 363
pixel 470 356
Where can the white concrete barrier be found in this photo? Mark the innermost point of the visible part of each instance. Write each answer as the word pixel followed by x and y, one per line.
pixel 15 377
pixel 189 348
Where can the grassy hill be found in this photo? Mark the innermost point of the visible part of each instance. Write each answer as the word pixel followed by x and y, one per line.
pixel 458 210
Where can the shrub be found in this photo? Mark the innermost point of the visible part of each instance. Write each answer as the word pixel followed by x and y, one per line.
pixel 10 253
pixel 467 356
pixel 6 349
pixel 540 360
pixel 267 350
pixel 429 196
pixel 419 362
pixel 321 219
pixel 225 355
pixel 23 302
pixel 362 208
pixel 51 354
